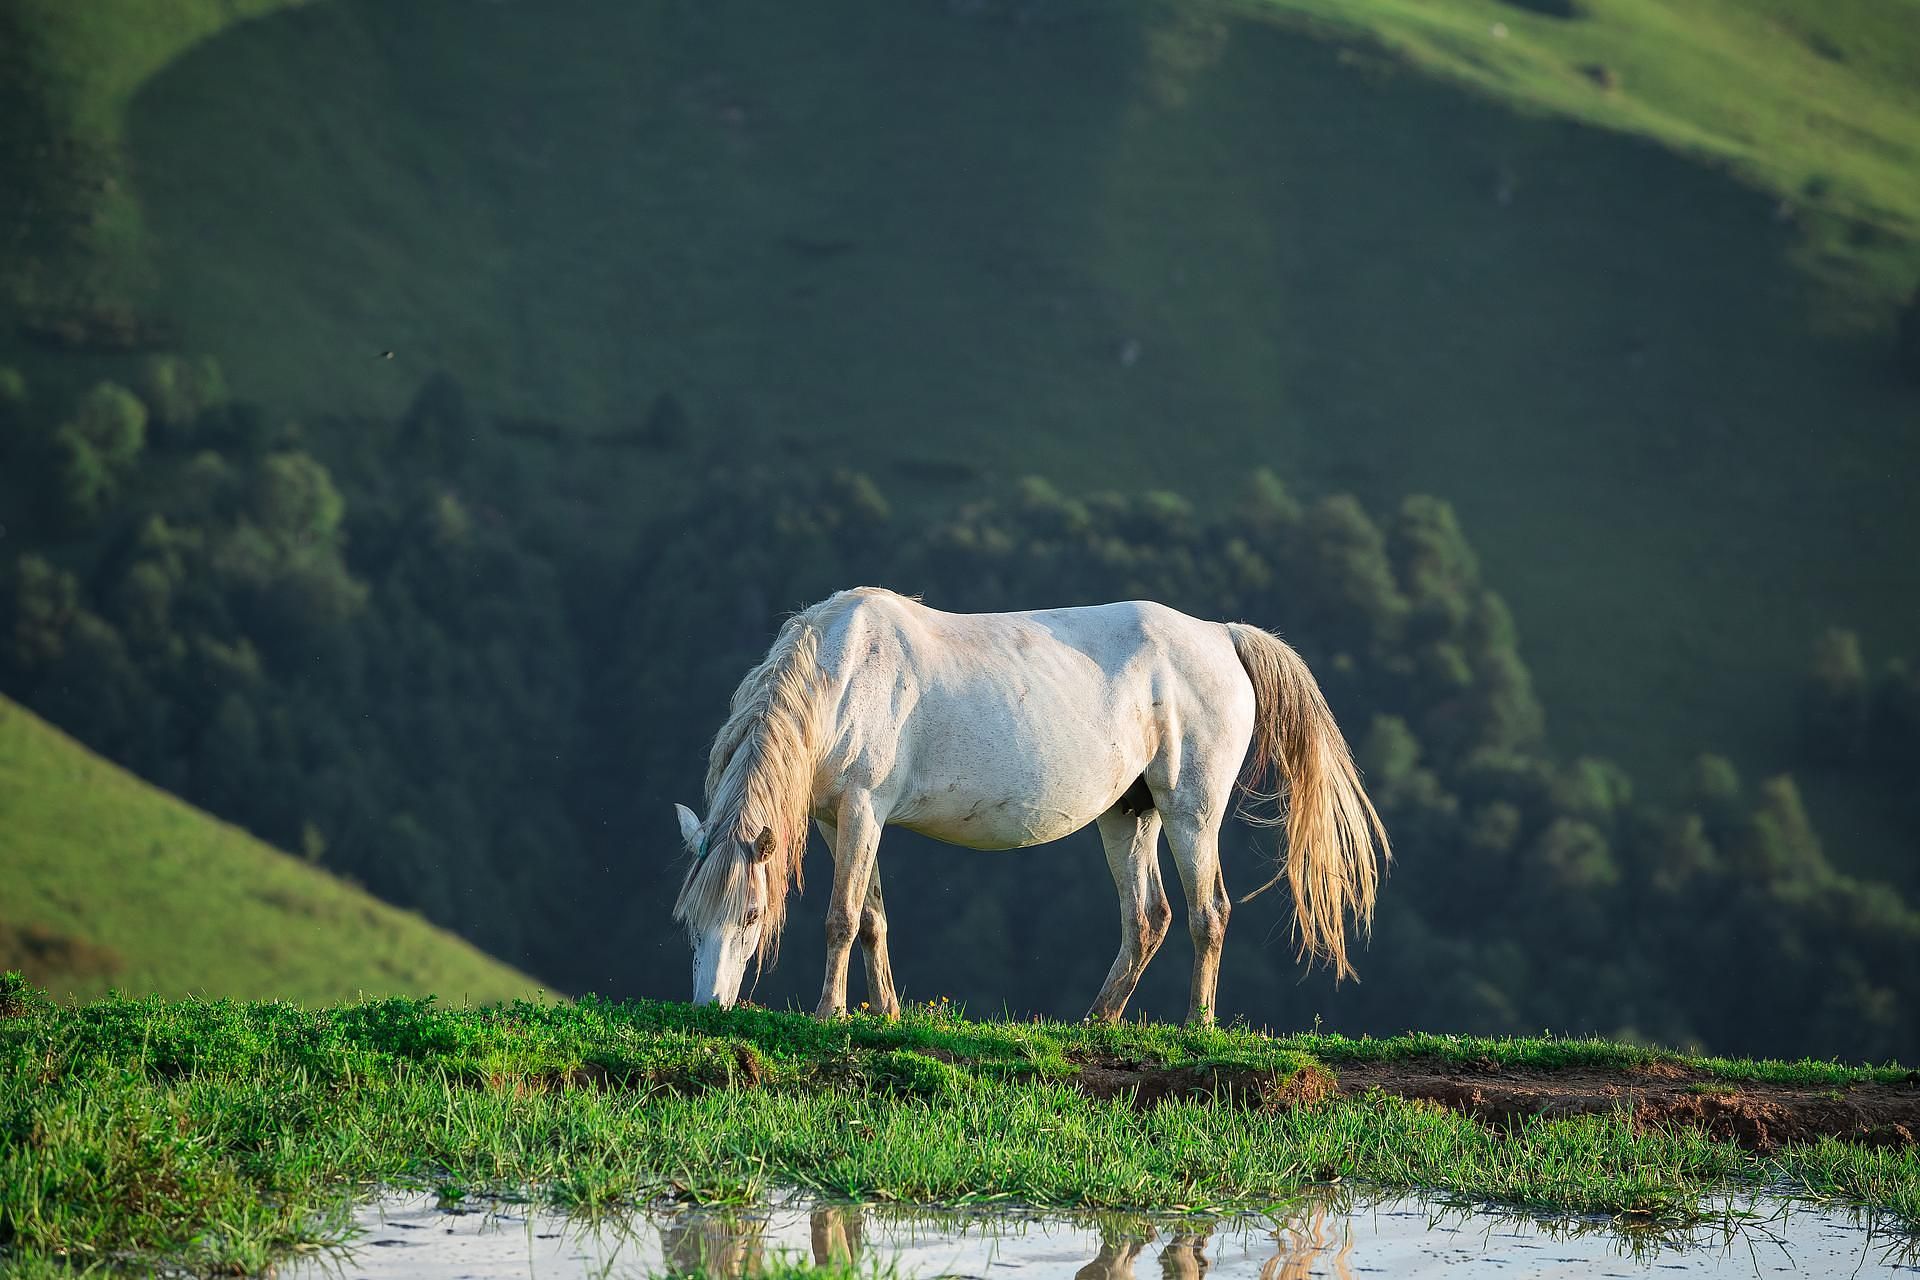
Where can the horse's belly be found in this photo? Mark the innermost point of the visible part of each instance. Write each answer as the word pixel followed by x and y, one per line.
pixel 1012 808
pixel 995 824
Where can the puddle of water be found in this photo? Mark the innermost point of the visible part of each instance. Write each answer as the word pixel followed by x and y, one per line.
pixel 1331 1234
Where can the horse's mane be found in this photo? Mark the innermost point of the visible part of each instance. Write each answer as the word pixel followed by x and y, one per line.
pixel 760 778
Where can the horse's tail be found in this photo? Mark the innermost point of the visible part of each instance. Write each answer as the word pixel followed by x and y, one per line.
pixel 1332 827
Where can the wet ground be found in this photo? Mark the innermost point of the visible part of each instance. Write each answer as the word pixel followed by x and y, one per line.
pixel 1329 1234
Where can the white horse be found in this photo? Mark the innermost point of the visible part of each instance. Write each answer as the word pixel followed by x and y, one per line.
pixel 1005 730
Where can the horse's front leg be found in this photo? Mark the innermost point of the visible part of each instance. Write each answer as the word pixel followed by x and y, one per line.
pixel 854 851
pixel 873 947
pixel 872 934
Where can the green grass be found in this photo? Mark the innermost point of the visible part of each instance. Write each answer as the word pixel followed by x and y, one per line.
pixel 1619 375
pixel 217 1134
pixel 112 883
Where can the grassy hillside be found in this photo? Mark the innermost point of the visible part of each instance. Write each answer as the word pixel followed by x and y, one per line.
pixel 1100 243
pixel 110 882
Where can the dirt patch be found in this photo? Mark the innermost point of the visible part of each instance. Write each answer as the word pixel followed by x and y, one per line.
pixel 1248 1086
pixel 1760 1117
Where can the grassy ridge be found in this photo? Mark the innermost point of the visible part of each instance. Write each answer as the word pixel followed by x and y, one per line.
pixel 118 884
pixel 223 1134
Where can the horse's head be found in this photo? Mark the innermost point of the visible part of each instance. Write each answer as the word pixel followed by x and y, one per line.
pixel 723 904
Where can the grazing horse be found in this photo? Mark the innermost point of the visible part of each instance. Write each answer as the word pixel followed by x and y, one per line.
pixel 1005 730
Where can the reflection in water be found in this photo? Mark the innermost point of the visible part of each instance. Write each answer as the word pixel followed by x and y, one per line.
pixel 1121 1240
pixel 715 1244
pixel 1325 1233
pixel 1185 1257
pixel 836 1233
pixel 1305 1239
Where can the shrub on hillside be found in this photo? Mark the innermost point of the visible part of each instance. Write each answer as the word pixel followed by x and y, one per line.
pixel 95 449
pixel 1851 717
pixel 1837 702
pixel 37 604
pixel 179 389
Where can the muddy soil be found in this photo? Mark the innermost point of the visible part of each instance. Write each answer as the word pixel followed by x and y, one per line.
pixel 1758 1116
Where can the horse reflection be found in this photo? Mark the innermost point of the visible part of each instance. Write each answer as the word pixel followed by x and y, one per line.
pixel 1185 1256
pixel 733 1245
pixel 1121 1241
pixel 836 1231
pixel 1304 1240
pixel 713 1244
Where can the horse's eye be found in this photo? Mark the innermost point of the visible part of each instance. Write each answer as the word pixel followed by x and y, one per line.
pixel 753 917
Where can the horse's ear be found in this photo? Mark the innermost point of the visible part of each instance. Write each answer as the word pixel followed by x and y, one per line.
pixel 689 825
pixel 763 845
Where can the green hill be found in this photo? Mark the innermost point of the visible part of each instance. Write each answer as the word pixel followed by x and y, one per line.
pixel 112 883
pixel 1102 243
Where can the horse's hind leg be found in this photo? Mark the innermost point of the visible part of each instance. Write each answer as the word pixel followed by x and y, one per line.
pixel 1193 812
pixel 873 948
pixel 1132 845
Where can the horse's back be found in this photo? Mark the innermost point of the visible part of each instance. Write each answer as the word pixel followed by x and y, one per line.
pixel 877 636
pixel 1008 729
